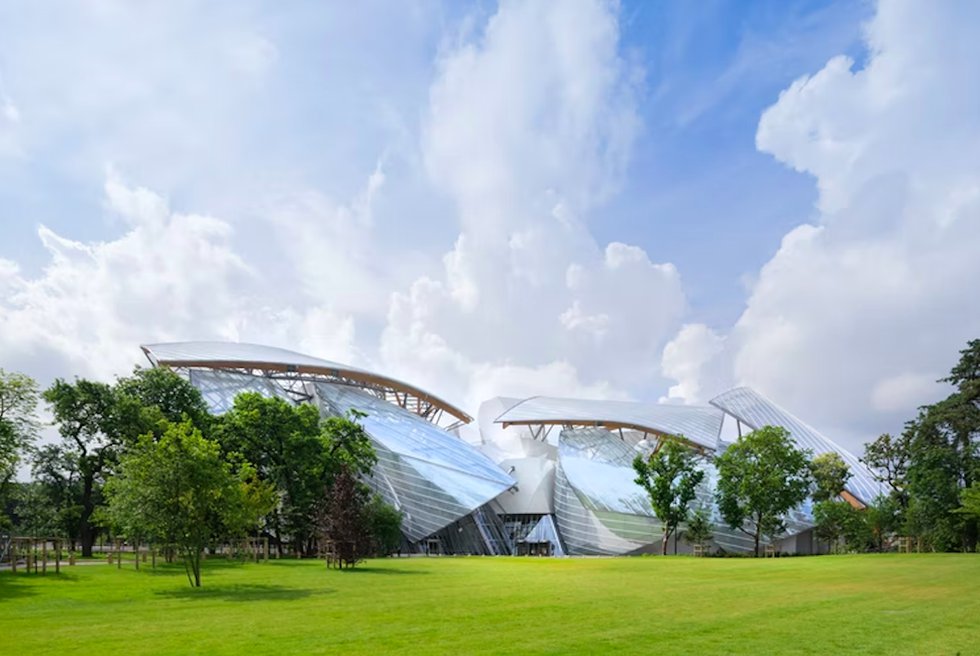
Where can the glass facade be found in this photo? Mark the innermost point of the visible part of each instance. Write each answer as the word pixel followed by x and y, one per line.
pixel 698 424
pixel 755 410
pixel 450 493
pixel 601 511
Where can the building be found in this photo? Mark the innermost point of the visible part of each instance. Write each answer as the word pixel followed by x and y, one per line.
pixel 548 475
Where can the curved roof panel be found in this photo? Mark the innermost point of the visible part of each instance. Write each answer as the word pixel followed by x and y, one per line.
pixel 700 425
pixel 755 410
pixel 236 355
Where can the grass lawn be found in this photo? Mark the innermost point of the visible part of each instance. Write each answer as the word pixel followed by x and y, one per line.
pixel 873 604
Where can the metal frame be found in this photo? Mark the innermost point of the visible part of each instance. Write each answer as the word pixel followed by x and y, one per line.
pixel 293 378
pixel 541 428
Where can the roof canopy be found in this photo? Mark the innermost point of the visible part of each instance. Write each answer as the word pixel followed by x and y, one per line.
pixel 754 410
pixel 699 425
pixel 281 363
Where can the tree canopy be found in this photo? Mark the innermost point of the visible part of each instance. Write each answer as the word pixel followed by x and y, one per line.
pixel 179 491
pixel 18 426
pixel 761 477
pixel 670 477
pixel 830 474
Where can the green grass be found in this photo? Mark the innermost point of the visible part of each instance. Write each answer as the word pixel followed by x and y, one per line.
pixel 875 604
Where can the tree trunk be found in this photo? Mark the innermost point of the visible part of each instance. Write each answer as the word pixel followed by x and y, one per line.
pixel 86 534
pixel 757 535
pixel 663 544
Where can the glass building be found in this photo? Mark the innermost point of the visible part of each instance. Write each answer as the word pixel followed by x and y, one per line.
pixel 548 471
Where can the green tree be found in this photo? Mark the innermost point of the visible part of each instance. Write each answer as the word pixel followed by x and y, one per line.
pixel 150 398
pixel 761 477
pixel 84 412
pixel 55 471
pixel 179 488
pixel 830 475
pixel 699 528
pixel 670 477
pixel 840 524
pixel 345 521
pixel 285 444
pixel 347 444
pixel 944 459
pixel 970 501
pixel 883 517
pixel 18 428
pixel 888 458
pixel 386 525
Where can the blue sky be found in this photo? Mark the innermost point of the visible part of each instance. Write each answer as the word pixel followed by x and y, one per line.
pixel 699 193
pixel 649 200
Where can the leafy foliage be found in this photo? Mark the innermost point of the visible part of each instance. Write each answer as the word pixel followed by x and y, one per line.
pixel 18 427
pixel 830 475
pixel 699 527
pixel 761 477
pixel 841 525
pixel 344 522
pixel 386 526
pixel 670 477
pixel 85 412
pixel 283 441
pixel 149 399
pixel 178 490
pixel 888 458
pixel 345 519
pixel 944 460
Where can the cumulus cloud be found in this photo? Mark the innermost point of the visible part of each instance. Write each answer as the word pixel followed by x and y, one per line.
pixel 168 276
pixel 530 125
pixel 859 311
pixel 685 358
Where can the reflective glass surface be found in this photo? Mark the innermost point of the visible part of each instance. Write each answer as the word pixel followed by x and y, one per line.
pixel 755 411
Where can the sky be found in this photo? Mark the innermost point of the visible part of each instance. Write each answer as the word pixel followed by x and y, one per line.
pixel 637 200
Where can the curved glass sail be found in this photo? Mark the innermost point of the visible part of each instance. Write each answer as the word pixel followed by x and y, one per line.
pixel 219 388
pixel 433 477
pixel 755 411
pixel 601 510
pixel 698 424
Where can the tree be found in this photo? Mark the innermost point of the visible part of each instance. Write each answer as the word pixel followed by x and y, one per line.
pixel 970 501
pixel 830 475
pixel 18 427
pixel 944 459
pixel 285 444
pixel 84 411
pixel 883 518
pixel 345 521
pixel 670 477
pixel 761 477
pixel 347 444
pixel 346 518
pixel 386 525
pixel 699 527
pixel 55 472
pixel 888 458
pixel 839 522
pixel 151 395
pixel 179 489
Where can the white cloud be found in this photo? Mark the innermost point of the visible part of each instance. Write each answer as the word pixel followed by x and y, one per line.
pixel 169 276
pixel 530 125
pixel 904 391
pixel 9 110
pixel 845 317
pixel 684 360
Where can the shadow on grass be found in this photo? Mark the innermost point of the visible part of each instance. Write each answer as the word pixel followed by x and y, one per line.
pixel 14 586
pixel 381 570
pixel 243 592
